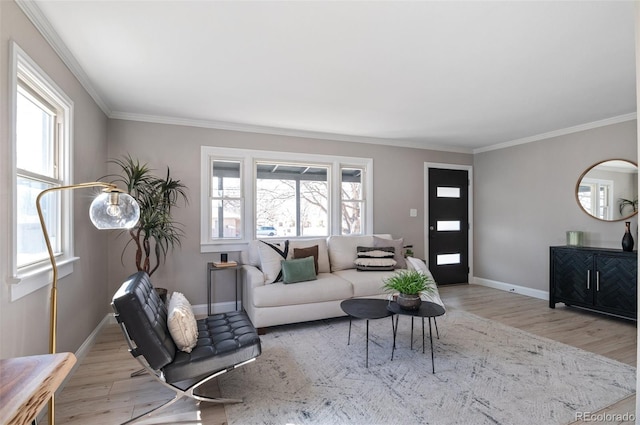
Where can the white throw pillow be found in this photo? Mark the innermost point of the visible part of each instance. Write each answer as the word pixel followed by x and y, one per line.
pixel 397 244
pixel 182 322
pixel 271 254
pixel 343 250
pixel 251 255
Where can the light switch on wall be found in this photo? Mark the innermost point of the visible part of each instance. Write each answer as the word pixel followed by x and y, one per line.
pixel 413 212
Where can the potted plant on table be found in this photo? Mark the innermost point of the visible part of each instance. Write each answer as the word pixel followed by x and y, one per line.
pixel 409 284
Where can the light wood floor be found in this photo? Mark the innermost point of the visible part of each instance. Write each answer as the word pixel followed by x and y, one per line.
pixel 102 392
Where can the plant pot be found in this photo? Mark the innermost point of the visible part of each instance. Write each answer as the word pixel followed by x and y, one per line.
pixel 409 302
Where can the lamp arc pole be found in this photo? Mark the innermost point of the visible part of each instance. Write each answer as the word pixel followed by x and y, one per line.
pixel 54 268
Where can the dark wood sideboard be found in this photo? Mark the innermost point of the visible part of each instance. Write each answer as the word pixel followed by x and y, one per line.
pixel 604 280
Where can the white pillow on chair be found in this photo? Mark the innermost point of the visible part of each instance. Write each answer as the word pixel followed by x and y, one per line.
pixel 181 322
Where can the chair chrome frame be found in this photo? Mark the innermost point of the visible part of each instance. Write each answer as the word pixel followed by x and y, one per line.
pixel 180 392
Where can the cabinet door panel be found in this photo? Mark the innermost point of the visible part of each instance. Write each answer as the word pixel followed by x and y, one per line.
pixel 617 283
pixel 571 269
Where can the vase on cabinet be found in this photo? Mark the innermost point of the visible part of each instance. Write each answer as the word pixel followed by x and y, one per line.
pixel 627 239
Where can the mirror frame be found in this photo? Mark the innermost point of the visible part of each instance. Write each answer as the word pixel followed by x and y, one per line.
pixel 582 177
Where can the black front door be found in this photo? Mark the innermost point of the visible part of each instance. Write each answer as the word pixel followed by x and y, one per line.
pixel 449 225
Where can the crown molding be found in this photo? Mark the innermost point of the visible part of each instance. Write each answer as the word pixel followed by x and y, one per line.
pixel 35 15
pixel 223 125
pixel 561 132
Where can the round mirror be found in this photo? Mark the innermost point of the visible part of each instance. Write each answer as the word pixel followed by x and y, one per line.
pixel 608 190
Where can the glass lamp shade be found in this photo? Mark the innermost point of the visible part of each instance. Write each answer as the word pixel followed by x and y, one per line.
pixel 114 210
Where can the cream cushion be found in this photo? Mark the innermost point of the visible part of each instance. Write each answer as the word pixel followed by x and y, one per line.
pixel 323 254
pixel 366 284
pixel 181 322
pixel 398 246
pixel 251 255
pixel 343 250
pixel 270 259
pixel 327 287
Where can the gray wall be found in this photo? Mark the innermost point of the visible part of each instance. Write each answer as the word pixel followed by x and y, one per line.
pixel 83 297
pixel 398 186
pixel 513 227
pixel 525 202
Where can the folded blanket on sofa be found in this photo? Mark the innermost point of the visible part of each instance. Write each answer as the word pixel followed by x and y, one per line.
pixel 419 265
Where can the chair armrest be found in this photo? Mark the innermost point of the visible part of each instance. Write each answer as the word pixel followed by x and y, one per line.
pixel 251 276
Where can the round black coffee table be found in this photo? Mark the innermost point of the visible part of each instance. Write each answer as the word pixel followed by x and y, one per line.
pixel 427 309
pixel 366 308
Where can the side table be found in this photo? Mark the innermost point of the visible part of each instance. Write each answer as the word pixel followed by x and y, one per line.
pixel 211 268
pixel 366 308
pixel 427 309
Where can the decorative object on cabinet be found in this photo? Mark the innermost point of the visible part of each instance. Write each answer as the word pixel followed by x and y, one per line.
pixel 627 239
pixel 575 238
pixel 597 185
pixel 603 280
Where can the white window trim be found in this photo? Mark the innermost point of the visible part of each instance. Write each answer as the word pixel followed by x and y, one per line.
pixel 29 279
pixel 248 158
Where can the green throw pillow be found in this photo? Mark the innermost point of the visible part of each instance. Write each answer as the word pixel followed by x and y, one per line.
pixel 298 270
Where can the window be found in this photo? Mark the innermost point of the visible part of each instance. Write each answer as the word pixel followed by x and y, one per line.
pixel 275 195
pixel 292 200
pixel 353 201
pixel 41 147
pixel 36 170
pixel 226 200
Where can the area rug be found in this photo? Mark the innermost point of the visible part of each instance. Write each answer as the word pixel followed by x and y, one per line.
pixel 486 373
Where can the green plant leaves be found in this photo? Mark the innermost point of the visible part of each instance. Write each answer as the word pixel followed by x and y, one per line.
pixel 157 232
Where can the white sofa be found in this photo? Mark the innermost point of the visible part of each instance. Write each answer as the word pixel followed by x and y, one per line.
pixel 271 304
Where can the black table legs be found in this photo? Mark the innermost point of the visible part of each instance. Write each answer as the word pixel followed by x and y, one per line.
pixel 367 343
pixel 394 329
pixel 433 368
pixel 395 332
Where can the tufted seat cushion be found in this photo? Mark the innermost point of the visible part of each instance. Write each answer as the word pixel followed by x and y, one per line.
pixel 223 340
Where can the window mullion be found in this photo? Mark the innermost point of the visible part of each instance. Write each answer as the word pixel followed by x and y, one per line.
pixel 38 177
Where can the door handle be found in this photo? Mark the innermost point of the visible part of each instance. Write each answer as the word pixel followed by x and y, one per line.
pixel 588 277
pixel 598 281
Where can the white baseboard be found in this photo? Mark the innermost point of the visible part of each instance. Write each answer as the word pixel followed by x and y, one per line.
pixel 91 339
pixel 508 287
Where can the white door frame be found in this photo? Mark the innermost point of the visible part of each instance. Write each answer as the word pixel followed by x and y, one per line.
pixel 469 169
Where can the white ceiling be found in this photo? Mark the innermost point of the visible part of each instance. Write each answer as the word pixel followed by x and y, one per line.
pixel 460 75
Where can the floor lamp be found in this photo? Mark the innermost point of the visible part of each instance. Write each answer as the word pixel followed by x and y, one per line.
pixel 112 209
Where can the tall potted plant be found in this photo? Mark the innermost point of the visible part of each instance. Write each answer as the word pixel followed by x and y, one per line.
pixel 156 232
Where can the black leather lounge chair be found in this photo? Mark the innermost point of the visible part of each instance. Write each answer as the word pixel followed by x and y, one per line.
pixel 225 341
